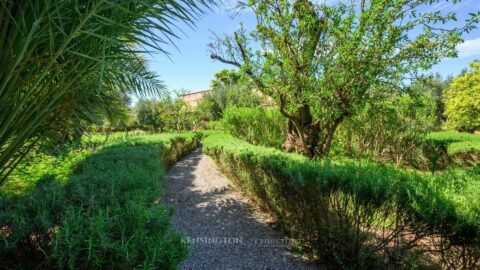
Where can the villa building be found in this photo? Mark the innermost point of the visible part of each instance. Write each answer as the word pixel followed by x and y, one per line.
pixel 193 99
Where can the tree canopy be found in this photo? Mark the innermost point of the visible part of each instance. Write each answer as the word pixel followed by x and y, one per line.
pixel 228 88
pixel 435 87
pixel 322 63
pixel 462 101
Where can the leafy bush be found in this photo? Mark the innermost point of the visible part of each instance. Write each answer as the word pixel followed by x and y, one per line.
pixel 229 88
pixel 166 115
pixel 356 214
pixel 462 101
pixel 256 125
pixel 390 131
pixel 214 125
pixel 98 212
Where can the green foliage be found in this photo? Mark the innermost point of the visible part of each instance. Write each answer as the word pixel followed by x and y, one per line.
pixel 462 148
pixel 65 62
pixel 462 101
pixel 166 115
pixel 434 86
pixel 208 109
pixel 227 77
pixel 147 115
pixel 453 136
pixel 322 62
pixel 213 125
pixel 98 211
pixel 38 165
pixel 348 212
pixel 390 130
pixel 258 126
pixel 176 115
pixel 229 88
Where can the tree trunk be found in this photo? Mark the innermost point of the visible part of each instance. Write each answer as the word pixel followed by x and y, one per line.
pixel 307 137
pixel 302 133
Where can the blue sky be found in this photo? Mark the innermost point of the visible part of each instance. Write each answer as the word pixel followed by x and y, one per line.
pixel 190 66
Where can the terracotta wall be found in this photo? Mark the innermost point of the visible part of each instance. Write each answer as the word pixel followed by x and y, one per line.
pixel 194 98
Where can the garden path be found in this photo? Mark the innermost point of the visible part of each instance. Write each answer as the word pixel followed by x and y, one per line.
pixel 224 230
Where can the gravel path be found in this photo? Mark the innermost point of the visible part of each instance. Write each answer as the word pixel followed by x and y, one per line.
pixel 223 229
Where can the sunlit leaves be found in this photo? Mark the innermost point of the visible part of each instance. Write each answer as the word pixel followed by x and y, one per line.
pixel 462 101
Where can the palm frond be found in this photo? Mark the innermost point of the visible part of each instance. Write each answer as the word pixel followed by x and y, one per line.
pixel 52 50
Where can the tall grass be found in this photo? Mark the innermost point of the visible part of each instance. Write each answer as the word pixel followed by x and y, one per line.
pixel 100 211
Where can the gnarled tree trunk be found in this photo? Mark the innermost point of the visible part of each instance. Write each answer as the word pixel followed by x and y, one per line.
pixel 308 137
pixel 302 133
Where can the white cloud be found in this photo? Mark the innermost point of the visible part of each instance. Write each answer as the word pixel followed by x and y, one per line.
pixel 441 6
pixel 470 47
pixel 450 6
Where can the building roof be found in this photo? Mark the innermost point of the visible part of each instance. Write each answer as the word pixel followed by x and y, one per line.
pixel 198 92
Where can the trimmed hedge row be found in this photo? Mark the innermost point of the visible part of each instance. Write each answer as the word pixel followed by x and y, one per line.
pixel 356 214
pixel 462 148
pixel 103 215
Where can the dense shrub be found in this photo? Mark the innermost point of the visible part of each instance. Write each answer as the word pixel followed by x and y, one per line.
pixel 390 131
pixel 229 88
pixel 462 101
pixel 213 125
pixel 99 212
pixel 166 115
pixel 356 214
pixel 256 125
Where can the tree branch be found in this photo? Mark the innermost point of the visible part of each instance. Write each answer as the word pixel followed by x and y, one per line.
pixel 225 61
pixel 282 109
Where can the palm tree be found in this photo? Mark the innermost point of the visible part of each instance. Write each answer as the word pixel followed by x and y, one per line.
pixel 65 61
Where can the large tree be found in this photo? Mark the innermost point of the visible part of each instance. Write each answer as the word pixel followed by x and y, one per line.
pixel 321 63
pixel 462 101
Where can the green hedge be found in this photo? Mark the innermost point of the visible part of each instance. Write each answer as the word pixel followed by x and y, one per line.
pixel 462 148
pixel 356 214
pixel 96 210
pixel 457 141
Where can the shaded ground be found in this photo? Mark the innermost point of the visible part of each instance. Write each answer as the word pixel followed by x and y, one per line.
pixel 223 229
